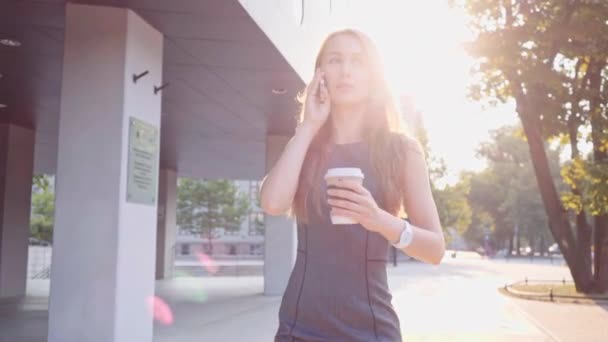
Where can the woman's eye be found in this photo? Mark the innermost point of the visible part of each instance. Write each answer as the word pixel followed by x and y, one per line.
pixel 334 60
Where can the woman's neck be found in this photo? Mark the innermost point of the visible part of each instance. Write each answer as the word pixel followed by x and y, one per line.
pixel 347 124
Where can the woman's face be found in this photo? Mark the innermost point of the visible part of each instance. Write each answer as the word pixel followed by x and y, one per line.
pixel 346 68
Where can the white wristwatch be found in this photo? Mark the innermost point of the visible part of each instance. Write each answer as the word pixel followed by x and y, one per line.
pixel 407 234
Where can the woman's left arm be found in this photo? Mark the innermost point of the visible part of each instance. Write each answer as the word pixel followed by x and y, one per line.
pixel 428 243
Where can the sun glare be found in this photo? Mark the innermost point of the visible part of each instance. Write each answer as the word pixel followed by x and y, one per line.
pixel 421 43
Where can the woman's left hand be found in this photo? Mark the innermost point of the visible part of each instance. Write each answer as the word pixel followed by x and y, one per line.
pixel 354 201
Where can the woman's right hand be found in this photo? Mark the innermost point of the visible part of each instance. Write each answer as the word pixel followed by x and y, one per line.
pixel 317 105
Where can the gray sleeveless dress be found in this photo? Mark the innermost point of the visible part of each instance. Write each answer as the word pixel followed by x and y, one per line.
pixel 338 288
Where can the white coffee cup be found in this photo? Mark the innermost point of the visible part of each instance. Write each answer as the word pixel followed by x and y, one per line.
pixel 333 177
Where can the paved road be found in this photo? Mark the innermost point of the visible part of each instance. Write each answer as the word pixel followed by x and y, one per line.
pixel 458 301
pixel 455 301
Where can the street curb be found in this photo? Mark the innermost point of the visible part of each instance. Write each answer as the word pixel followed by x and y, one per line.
pixel 549 297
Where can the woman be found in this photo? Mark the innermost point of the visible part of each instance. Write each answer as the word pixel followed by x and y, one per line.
pixel 338 288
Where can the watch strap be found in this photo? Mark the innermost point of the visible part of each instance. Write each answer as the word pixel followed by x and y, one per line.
pixel 406 236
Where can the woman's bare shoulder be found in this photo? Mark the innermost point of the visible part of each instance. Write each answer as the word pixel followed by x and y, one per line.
pixel 408 143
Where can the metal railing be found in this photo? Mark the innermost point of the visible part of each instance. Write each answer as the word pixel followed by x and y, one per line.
pixel 39 262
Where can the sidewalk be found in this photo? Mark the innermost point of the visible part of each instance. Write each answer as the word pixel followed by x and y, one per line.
pixel 455 301
pixel 568 322
pixel 245 314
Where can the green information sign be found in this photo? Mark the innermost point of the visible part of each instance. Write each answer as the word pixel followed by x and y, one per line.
pixel 142 169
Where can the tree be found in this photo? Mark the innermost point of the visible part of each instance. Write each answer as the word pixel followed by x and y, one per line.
pixel 259 225
pixel 453 207
pixel 205 205
pixel 43 209
pixel 549 57
pixel 41 182
pixel 481 223
pixel 451 201
pixel 527 210
pixel 487 198
pixel 513 191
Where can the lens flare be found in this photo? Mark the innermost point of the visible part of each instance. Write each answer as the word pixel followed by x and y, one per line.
pixel 180 273
pixel 160 310
pixel 207 262
pixel 199 296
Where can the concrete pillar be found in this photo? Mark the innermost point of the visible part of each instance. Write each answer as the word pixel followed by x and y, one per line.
pixel 16 170
pixel 103 263
pixel 167 223
pixel 280 233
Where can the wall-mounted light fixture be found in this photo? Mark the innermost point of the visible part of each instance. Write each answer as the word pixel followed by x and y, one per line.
pixel 10 42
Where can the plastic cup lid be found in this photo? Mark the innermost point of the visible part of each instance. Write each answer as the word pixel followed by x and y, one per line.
pixel 344 172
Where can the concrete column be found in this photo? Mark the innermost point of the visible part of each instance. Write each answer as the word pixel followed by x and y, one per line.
pixel 280 234
pixel 167 223
pixel 103 263
pixel 16 169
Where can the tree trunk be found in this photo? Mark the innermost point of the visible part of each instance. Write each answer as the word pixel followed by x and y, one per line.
pixel 600 156
pixel 601 253
pixel 531 243
pixel 583 229
pixel 600 246
pixel 558 219
pixel 583 252
pixel 518 244
pixel 210 242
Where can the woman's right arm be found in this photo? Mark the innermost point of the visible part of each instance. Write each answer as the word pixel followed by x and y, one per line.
pixel 279 187
pixel 280 184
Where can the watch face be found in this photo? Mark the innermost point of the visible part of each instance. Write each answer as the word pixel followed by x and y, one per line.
pixel 406 235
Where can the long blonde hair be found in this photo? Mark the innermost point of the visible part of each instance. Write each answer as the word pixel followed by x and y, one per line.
pixel 384 134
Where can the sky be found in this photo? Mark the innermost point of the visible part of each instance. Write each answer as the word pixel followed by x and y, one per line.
pixel 420 42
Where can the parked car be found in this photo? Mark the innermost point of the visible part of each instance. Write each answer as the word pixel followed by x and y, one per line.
pixel 502 253
pixel 527 250
pixel 554 249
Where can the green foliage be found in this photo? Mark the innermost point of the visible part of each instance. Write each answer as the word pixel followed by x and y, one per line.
pixel 43 209
pixel 453 206
pixel 551 56
pixel 507 189
pixel 258 222
pixel 259 225
pixel 481 222
pixel 41 182
pixel 491 211
pixel 206 205
pixel 592 181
